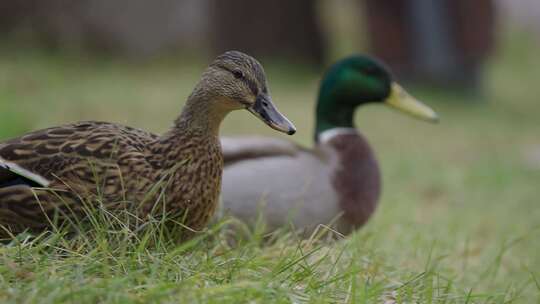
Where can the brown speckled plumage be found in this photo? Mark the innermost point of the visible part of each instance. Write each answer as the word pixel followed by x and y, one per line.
pixel 127 167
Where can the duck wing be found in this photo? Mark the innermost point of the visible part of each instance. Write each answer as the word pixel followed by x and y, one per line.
pixel 39 157
pixel 71 161
pixel 236 149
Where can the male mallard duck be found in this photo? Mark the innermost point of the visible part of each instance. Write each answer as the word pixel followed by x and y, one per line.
pixel 179 170
pixel 339 176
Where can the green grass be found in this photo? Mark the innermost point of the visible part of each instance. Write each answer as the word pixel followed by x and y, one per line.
pixel 457 223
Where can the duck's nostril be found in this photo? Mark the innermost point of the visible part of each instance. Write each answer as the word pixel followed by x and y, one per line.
pixel 265 104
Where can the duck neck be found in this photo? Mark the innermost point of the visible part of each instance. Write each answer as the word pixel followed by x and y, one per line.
pixel 331 114
pixel 202 114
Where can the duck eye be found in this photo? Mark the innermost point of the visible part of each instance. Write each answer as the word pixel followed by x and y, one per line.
pixel 238 74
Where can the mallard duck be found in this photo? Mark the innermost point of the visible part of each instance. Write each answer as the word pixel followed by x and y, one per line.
pixel 47 173
pixel 338 180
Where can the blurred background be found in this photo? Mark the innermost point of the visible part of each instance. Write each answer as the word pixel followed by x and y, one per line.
pixel 440 41
pixel 470 183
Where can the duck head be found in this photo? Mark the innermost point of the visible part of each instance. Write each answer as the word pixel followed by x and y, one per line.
pixel 237 81
pixel 359 80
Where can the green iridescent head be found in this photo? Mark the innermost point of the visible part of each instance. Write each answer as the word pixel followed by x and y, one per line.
pixel 357 80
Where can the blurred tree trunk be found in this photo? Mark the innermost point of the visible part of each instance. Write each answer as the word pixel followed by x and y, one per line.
pixel 442 42
pixel 278 28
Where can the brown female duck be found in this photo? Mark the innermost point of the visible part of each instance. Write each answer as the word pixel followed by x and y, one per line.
pixel 47 173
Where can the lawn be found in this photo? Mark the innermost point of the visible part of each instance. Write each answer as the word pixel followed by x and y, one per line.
pixel 457 222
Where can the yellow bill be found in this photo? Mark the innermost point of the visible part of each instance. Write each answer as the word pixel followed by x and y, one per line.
pixel 401 100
